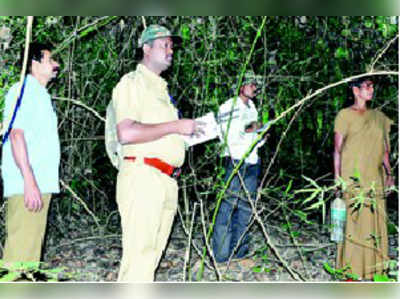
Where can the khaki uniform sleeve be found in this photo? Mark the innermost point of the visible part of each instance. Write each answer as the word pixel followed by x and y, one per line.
pixel 341 123
pixel 126 100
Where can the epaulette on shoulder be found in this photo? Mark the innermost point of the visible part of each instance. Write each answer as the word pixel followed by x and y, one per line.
pixel 126 78
pixel 131 75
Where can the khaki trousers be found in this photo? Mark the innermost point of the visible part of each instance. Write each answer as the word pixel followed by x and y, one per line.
pixel 147 202
pixel 25 230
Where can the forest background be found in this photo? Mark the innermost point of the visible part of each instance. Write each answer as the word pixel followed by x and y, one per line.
pixel 298 57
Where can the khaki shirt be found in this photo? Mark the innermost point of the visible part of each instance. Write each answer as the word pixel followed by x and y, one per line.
pixel 142 96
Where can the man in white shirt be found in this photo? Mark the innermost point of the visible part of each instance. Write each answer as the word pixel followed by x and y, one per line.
pixel 238 120
pixel 30 158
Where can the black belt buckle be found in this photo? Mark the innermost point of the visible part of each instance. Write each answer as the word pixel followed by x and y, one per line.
pixel 177 172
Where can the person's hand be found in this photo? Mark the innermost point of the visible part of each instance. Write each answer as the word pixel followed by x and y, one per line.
pixel 190 127
pixel 338 193
pixel 252 127
pixel 389 183
pixel 32 197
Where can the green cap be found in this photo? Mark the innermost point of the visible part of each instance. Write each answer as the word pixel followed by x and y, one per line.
pixel 248 78
pixel 153 32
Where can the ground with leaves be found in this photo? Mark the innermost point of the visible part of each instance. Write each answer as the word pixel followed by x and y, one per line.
pixel 80 254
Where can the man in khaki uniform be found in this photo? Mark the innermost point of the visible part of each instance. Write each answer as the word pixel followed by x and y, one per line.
pixel 149 130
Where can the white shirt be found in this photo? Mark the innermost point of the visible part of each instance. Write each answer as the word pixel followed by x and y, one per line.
pixel 38 119
pixel 238 141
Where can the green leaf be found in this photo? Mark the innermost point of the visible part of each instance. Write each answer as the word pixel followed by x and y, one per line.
pixel 352 276
pixel 31 265
pixel 329 269
pixel 311 181
pixel 310 198
pixel 342 53
pixel 185 32
pixel 11 276
pixel 302 215
pixel 346 32
pixel 75 206
pixel 295 234
pixel 392 229
pixel 256 269
pixel 380 19
pixel 379 277
pixel 384 28
pixel 315 205
pixel 289 186
pixel 265 116
pixel 368 23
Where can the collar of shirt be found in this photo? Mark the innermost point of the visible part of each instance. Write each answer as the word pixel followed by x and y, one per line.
pixel 32 82
pixel 157 80
pixel 242 106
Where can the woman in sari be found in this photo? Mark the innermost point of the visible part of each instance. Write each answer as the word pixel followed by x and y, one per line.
pixel 361 160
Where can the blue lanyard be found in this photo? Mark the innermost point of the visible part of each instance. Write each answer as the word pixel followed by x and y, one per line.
pixel 175 103
pixel 5 137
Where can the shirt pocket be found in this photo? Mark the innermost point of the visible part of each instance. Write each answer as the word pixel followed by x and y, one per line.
pixel 157 111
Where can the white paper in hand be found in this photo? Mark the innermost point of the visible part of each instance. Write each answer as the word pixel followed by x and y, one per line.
pixel 209 128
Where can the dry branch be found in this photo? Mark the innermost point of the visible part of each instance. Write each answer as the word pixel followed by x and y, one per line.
pixel 79 103
pixel 82 202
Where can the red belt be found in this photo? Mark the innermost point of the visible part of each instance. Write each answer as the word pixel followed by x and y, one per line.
pixel 160 165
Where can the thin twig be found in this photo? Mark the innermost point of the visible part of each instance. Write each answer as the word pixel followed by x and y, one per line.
pixel 79 103
pixel 187 252
pixel 185 230
pixel 82 202
pixel 292 272
pixel 207 247
pixel 382 52
pixel 278 148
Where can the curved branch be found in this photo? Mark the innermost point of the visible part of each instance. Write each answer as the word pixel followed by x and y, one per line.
pixel 378 56
pixel 79 103
pixel 74 195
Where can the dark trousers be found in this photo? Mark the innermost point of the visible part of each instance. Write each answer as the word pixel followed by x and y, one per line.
pixel 234 213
